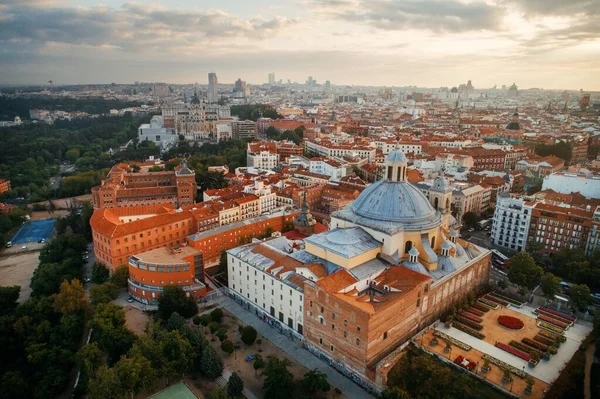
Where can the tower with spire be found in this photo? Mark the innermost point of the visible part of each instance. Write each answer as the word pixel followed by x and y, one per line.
pixel 305 222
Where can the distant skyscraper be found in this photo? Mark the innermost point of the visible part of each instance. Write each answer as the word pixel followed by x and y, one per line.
pixel 213 93
pixel 272 78
pixel 240 89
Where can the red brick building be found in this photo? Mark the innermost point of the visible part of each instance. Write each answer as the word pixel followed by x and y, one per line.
pixel 4 185
pixel 123 187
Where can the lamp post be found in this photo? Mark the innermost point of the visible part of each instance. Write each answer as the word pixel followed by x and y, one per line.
pixel 450 353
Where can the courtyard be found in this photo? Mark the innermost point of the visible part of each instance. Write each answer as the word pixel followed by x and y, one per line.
pixel 492 333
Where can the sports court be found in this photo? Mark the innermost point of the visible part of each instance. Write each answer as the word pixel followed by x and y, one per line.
pixel 176 391
pixel 34 231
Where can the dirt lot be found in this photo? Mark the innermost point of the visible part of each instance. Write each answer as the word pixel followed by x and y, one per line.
pixel 40 215
pixel 136 320
pixel 494 376
pixel 17 269
pixel 494 332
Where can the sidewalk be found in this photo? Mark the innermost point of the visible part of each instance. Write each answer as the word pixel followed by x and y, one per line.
pixel 293 349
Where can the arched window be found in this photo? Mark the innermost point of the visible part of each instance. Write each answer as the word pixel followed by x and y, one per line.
pixel 433 242
pixel 407 246
pixel 436 202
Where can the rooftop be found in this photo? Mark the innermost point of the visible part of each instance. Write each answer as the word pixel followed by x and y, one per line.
pixel 347 243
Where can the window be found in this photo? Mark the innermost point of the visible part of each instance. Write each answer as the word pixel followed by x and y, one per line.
pixel 333 327
pixel 321 341
pixel 385 335
pixel 322 309
pixel 331 348
pixel 345 334
pixel 333 316
pixel 357 341
pixel 345 323
pixel 357 329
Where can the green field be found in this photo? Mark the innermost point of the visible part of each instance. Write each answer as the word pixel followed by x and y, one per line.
pixel 177 391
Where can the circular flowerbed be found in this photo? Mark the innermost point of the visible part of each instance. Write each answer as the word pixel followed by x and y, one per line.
pixel 511 322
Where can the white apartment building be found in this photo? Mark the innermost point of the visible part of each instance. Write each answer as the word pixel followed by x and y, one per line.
pixel 224 131
pixel 268 199
pixel 157 133
pixel 328 167
pixel 262 160
pixel 264 274
pixel 340 151
pixel 510 225
pixel 404 146
pixel 567 183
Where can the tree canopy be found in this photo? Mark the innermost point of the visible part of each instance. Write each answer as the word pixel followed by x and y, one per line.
pixel 173 299
pixel 278 379
pixel 523 271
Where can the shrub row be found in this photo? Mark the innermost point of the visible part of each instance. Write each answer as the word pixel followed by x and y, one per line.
pixel 508 299
pixel 481 307
pixel 497 300
pixel 543 340
pixel 452 340
pixel 471 316
pixel 488 303
pixel 551 327
pixel 475 311
pixel 468 330
pixel 526 348
pixel 541 312
pixel 514 351
pixel 469 323
pixel 535 344
pixel 551 336
pixel 557 313
pixel 553 321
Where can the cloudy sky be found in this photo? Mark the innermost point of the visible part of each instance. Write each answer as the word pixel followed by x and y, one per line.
pixel 552 44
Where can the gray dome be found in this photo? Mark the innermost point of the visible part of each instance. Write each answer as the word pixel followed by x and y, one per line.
pixel 396 156
pixel 393 202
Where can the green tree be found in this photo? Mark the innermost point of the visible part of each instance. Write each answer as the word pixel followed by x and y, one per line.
pixel 177 353
pixel 258 363
pixel 106 385
pixel 135 373
pixel 218 393
pixel 523 271
pixel 110 332
pixel 175 322
pixel 394 393
pixel 205 320
pixel 90 358
pixel 550 285
pixel 235 385
pixel 278 379
pixel 120 276
pixel 211 363
pixel 103 293
pixel 196 320
pixel 72 155
pixel 173 299
pixel 470 219
pixel 227 347
pixel 315 381
pixel 70 298
pixel 248 335
pixel 99 273
pixel 13 385
pixel 580 296
pixel 216 314
pixel 272 133
pixel 8 299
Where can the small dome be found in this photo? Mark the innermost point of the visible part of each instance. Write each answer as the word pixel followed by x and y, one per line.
pixel 446 245
pixel 396 156
pixel 195 100
pixel 413 251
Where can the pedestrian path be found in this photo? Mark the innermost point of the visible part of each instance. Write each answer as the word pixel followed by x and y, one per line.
pixel 294 350
pixel 222 381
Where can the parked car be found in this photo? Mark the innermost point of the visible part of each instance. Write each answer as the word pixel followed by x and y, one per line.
pixel 85 257
pixel 42 241
pixel 24 248
pixel 130 299
pixel 471 230
pixel 9 244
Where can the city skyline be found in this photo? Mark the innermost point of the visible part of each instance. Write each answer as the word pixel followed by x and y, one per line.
pixel 427 43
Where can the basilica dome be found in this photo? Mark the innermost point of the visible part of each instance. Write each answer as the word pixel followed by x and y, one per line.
pixel 393 201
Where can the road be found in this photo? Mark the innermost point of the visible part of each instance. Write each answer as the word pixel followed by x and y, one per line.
pixel 477 237
pixel 88 266
pixel 589 358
